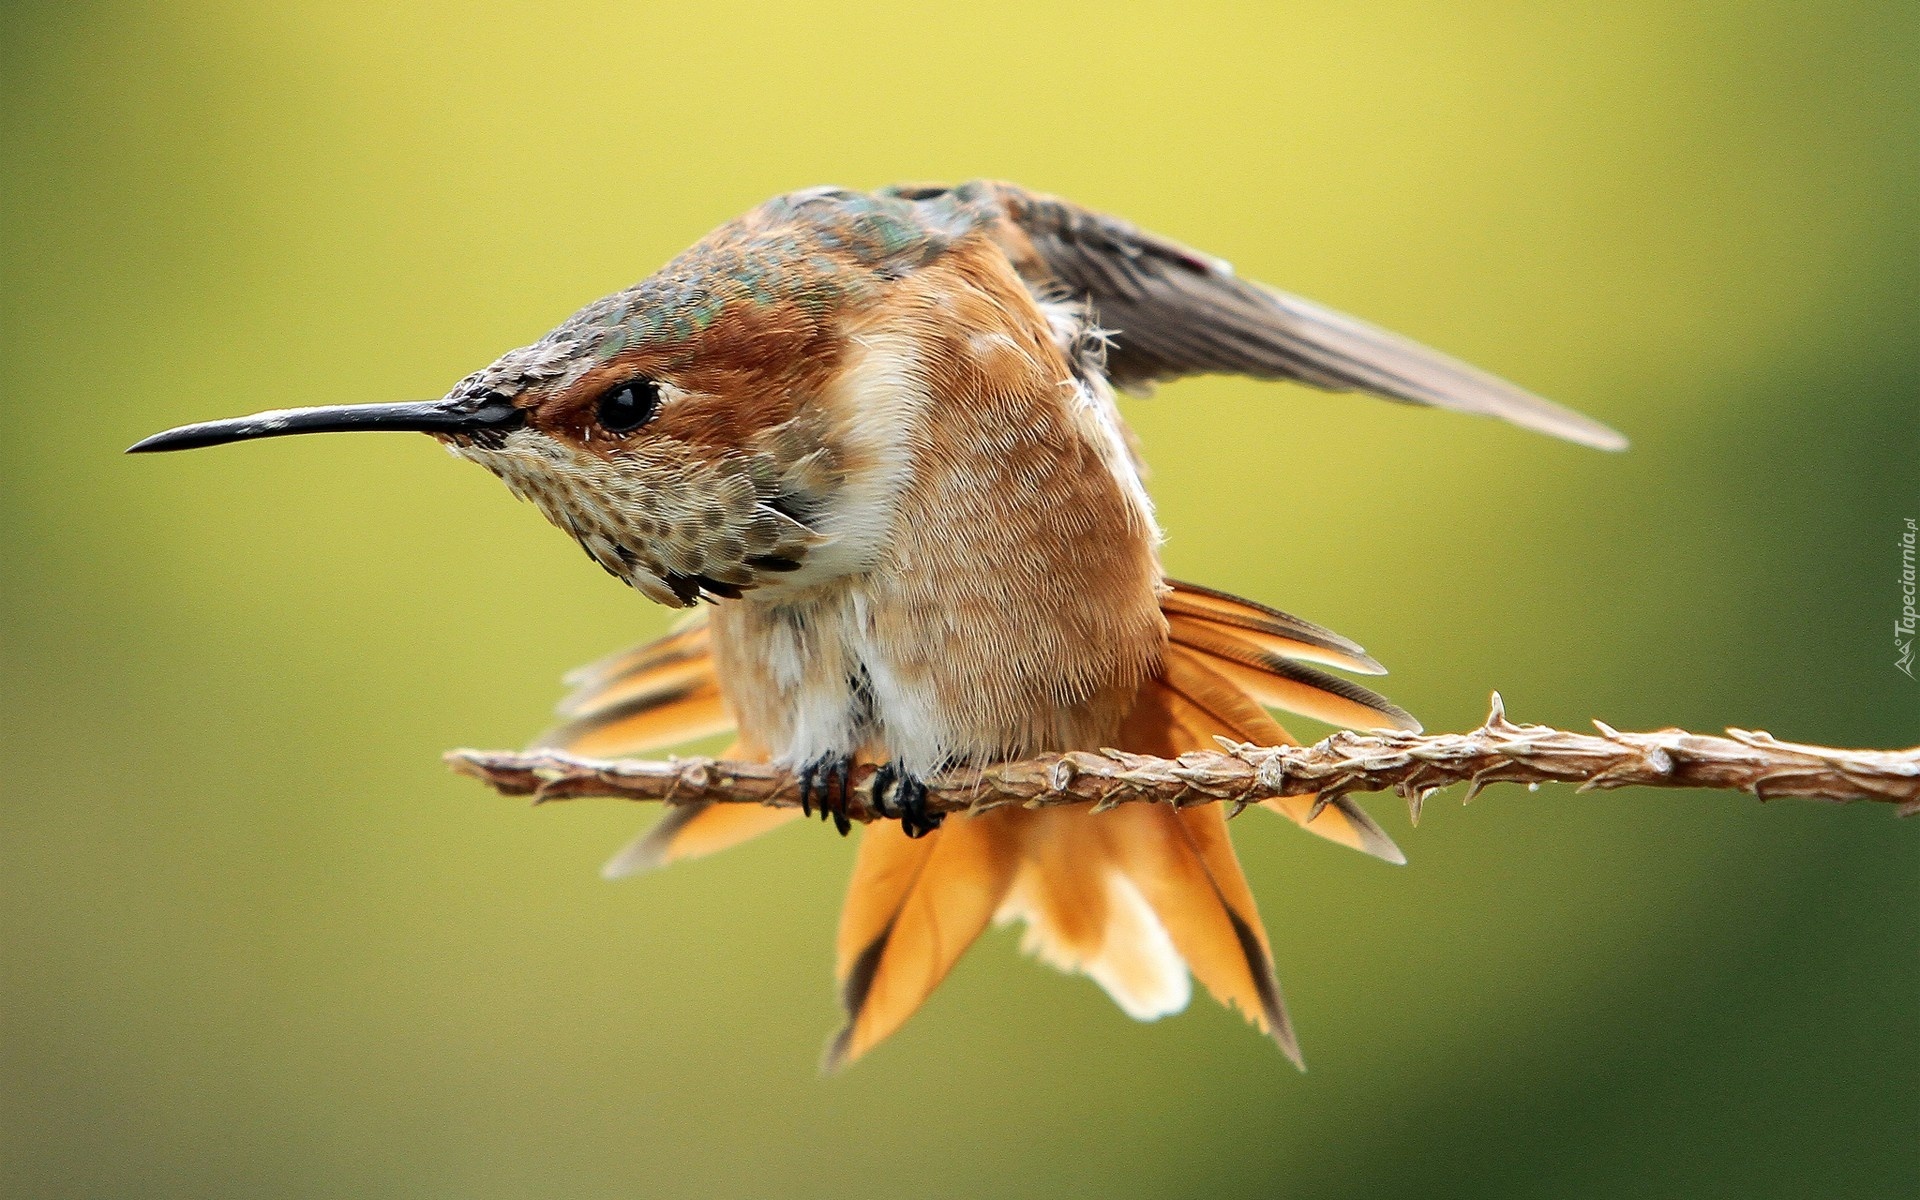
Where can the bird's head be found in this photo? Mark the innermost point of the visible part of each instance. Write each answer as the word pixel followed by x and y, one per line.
pixel 685 432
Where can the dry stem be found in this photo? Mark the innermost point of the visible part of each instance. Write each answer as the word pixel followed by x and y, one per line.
pixel 1413 765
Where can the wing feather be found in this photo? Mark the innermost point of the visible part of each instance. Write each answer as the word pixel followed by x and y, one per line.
pixel 1173 311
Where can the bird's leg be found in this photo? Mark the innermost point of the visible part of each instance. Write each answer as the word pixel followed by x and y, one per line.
pixel 908 801
pixel 825 780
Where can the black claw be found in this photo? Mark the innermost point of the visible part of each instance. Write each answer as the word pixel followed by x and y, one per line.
pixel 806 790
pixel 841 769
pixel 915 820
pixel 902 795
pixel 884 777
pixel 825 780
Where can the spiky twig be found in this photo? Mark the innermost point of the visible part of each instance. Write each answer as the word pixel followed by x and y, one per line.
pixel 1414 765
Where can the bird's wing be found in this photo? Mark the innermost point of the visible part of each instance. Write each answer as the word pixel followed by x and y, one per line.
pixel 1172 311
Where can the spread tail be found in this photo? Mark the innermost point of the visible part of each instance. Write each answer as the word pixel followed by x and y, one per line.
pixel 1134 898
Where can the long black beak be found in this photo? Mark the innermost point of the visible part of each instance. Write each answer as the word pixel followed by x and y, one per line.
pixel 465 414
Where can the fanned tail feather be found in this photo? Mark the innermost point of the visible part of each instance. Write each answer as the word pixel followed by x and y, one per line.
pixel 699 829
pixel 647 699
pixel 1086 915
pixel 1260 650
pixel 597 684
pixel 681 707
pixel 1231 653
pixel 694 831
pixel 1135 897
pixel 1201 704
pixel 913 907
pixel 653 696
pixel 1263 628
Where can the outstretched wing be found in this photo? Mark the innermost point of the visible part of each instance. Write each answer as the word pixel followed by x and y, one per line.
pixel 1172 311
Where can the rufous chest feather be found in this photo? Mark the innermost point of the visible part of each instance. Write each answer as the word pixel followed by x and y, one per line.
pixel 997 593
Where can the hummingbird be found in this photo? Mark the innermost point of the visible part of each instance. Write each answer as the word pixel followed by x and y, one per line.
pixel 873 437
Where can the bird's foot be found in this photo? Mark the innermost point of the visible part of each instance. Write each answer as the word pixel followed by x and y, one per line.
pixel 824 782
pixel 907 802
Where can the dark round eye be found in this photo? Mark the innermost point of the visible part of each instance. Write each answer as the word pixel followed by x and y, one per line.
pixel 628 405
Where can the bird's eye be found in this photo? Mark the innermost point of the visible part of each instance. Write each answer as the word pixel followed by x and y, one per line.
pixel 628 405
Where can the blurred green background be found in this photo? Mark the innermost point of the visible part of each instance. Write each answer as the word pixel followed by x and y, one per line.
pixel 257 942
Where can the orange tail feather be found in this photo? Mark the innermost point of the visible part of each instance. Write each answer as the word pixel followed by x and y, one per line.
pixel 697 830
pixel 913 908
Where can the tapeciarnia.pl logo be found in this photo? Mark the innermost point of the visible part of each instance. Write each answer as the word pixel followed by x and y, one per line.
pixel 1903 628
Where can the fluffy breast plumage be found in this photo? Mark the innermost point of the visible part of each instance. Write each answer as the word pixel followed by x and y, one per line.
pixel 997 566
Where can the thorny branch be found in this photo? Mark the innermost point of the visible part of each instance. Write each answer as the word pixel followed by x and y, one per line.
pixel 1413 765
